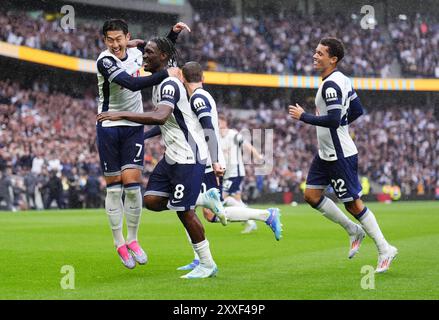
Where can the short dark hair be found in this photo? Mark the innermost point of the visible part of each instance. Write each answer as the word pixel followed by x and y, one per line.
pixel 192 72
pixel 335 47
pixel 115 25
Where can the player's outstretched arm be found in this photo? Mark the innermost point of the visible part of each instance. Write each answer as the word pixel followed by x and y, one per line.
pixel 176 30
pixel 138 83
pixel 108 67
pixel 172 35
pixel 332 120
pixel 158 117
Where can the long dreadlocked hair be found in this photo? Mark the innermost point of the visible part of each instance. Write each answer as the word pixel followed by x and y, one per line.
pixel 167 47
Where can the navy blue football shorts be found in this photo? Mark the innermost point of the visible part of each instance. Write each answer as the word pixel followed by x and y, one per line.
pixel 232 185
pixel 181 183
pixel 341 174
pixel 120 148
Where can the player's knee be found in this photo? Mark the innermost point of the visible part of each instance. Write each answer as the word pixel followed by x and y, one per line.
pixel 154 203
pixel 354 207
pixel 114 192
pixel 311 198
pixel 149 204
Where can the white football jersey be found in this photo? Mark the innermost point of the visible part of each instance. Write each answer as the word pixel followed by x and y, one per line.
pixel 203 105
pixel 335 92
pixel 182 132
pixel 231 144
pixel 113 97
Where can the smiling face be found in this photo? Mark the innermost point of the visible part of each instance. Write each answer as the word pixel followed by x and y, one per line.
pixel 153 59
pixel 116 42
pixel 321 59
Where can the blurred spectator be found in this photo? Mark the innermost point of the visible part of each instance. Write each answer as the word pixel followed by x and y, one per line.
pixel 30 183
pixel 74 193
pixel 6 190
pixel 417 44
pixel 54 191
pixel 92 191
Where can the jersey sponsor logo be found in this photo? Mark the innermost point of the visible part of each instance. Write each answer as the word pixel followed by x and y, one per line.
pixel 331 94
pixel 112 69
pixel 107 63
pixel 137 160
pixel 199 104
pixel 168 91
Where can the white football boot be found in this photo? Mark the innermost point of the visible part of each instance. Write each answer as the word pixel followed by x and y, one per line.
pixel 212 201
pixel 355 241
pixel 137 252
pixel 386 258
pixel 201 271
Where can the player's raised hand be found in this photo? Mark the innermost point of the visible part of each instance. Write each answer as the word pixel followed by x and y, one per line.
pixel 135 43
pixel 175 72
pixel 180 26
pixel 295 111
pixel 112 116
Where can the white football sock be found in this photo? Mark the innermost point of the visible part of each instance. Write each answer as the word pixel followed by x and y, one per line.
pixel 114 209
pixel 196 257
pixel 333 213
pixel 244 214
pixel 232 202
pixel 200 201
pixel 370 225
pixel 133 210
pixel 203 251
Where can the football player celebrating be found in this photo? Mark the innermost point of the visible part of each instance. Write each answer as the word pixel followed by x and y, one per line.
pixel 337 162
pixel 120 143
pixel 176 180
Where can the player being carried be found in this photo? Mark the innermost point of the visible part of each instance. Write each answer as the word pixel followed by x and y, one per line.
pixel 176 180
pixel 337 162
pixel 120 143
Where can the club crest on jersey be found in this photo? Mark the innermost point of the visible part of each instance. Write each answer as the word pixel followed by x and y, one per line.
pixel 107 63
pixel 331 94
pixel 168 91
pixel 199 104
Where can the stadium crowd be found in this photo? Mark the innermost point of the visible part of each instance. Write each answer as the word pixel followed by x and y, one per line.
pixel 276 46
pixel 417 44
pixel 48 151
pixel 271 44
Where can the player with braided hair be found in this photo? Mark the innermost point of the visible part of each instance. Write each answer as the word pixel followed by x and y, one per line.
pixel 176 180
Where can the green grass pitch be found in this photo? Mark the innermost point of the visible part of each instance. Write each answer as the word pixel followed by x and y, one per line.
pixel 310 262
